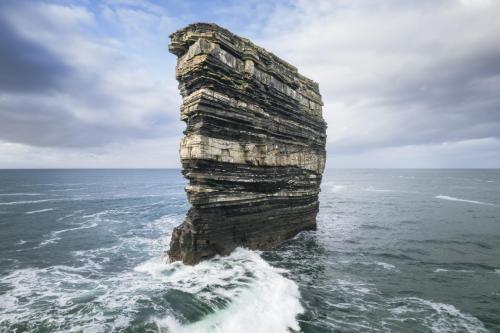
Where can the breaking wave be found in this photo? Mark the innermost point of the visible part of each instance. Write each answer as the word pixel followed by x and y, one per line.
pixel 94 264
pixel 231 293
pixel 243 291
pixel 95 294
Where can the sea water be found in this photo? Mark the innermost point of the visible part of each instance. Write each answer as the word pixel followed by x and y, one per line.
pixel 395 251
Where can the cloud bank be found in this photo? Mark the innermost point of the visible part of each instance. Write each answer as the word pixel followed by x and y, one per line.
pixel 405 84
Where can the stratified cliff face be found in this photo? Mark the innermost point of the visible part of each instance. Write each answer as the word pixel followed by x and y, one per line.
pixel 254 146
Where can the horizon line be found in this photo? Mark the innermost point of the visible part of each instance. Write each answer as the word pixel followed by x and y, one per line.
pixel 326 169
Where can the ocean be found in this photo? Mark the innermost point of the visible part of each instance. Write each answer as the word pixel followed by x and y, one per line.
pixel 395 251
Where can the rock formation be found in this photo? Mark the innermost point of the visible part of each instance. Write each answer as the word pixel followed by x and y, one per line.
pixel 254 146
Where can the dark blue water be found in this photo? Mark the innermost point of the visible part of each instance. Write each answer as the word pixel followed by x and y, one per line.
pixel 395 251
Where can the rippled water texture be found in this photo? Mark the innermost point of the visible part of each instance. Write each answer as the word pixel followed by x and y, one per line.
pixel 395 251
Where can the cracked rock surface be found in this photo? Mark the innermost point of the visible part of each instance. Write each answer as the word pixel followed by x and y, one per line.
pixel 254 146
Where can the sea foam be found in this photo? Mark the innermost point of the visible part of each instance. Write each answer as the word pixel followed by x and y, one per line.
pixel 444 270
pixel 445 197
pixel 260 298
pixel 438 317
pixel 23 202
pixel 18 194
pixel 39 211
pixel 243 292
pixel 385 265
pixel 338 188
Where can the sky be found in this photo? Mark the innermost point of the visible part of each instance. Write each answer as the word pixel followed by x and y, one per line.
pixel 405 84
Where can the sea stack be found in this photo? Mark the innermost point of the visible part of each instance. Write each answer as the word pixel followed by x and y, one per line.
pixel 254 147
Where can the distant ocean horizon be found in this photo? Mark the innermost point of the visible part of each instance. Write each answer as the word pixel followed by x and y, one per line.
pixel 396 250
pixel 179 168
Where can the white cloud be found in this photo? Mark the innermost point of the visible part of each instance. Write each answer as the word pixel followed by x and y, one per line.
pixel 398 78
pixel 396 73
pixel 107 87
pixel 148 153
pixel 477 153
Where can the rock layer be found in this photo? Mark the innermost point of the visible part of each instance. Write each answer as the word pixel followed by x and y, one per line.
pixel 254 146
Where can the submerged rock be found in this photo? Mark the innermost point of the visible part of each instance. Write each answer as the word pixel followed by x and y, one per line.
pixel 254 146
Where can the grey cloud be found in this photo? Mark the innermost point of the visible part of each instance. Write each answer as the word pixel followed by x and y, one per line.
pixel 27 66
pixel 41 122
pixel 397 74
pixel 393 74
pixel 451 100
pixel 49 100
pixel 453 80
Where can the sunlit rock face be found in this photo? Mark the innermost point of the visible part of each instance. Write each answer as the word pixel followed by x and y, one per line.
pixel 254 146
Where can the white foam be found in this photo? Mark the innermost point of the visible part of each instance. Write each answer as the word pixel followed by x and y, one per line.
pixel 39 211
pixel 18 194
pixel 112 297
pixel 65 184
pixel 497 271
pixel 371 189
pixel 461 320
pixel 362 300
pixel 353 289
pixel 66 189
pixel 439 317
pixel 46 242
pixel 89 298
pixel 385 265
pixel 22 202
pixel 338 188
pixel 7 301
pixel 443 270
pixel 54 235
pixel 83 226
pixel 264 302
pixel 445 197
pixel 258 297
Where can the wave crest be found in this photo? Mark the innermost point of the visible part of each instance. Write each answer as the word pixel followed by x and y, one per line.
pixel 242 290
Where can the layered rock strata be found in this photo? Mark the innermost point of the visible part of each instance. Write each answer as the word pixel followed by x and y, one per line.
pixel 254 146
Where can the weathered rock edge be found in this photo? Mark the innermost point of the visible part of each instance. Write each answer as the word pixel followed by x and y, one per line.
pixel 254 146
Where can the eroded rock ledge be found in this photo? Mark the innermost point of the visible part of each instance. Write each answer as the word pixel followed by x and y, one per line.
pixel 254 146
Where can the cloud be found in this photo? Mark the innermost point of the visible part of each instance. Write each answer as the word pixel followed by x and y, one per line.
pixel 151 153
pixel 27 66
pixel 396 73
pixel 483 153
pixel 399 79
pixel 64 85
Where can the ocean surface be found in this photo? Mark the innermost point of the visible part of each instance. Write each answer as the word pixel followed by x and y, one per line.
pixel 395 251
